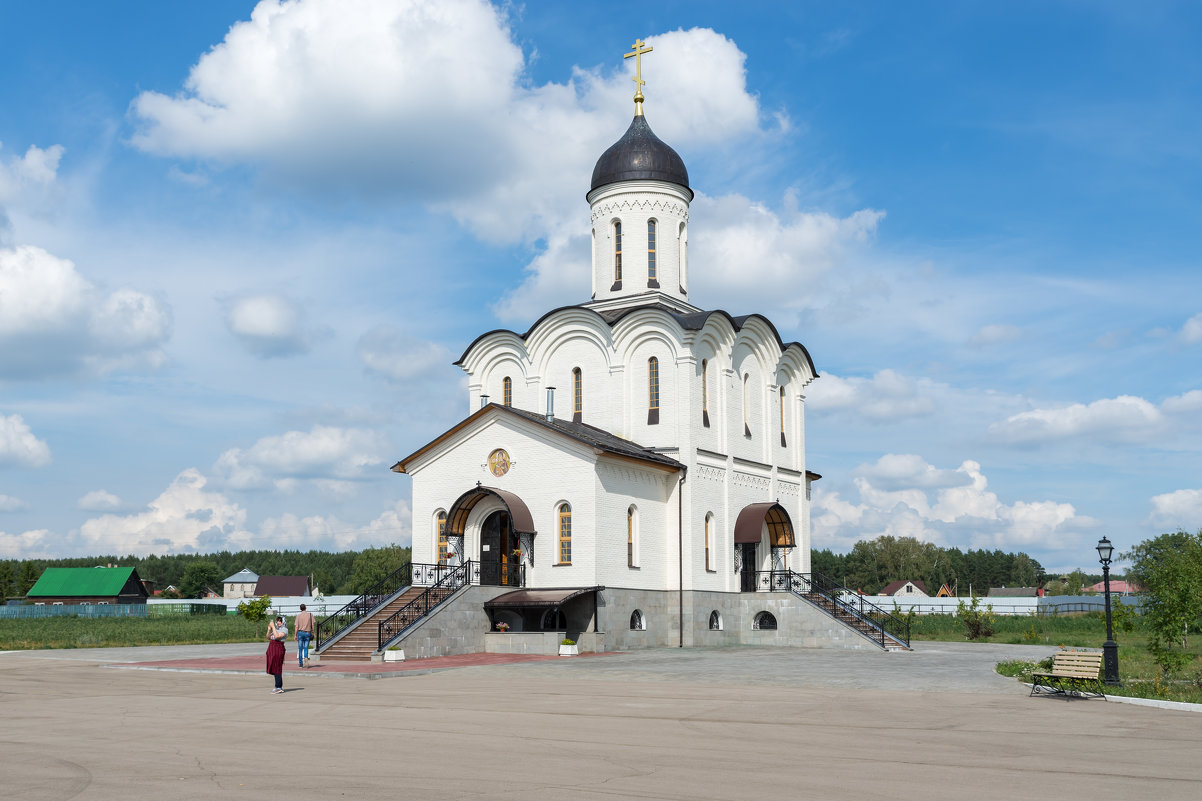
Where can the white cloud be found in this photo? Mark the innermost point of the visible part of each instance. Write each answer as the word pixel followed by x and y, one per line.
pixel 737 243
pixel 1173 424
pixel 895 470
pixel 1191 332
pixel 738 247
pixel 53 321
pixel 424 97
pixel 190 517
pixel 29 545
pixel 390 352
pixel 429 100
pixel 393 526
pixel 1109 418
pixel 99 501
pixel 1185 404
pixel 887 396
pixel 10 504
pixel 269 325
pixel 18 445
pixel 375 92
pixel 995 335
pixel 952 508
pixel 554 134
pixel 24 180
pixel 1181 509
pixel 323 453
pixel 185 517
pixel 27 182
pixel 555 277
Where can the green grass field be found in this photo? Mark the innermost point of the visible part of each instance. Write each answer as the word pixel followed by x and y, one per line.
pixel 1140 675
pixel 76 632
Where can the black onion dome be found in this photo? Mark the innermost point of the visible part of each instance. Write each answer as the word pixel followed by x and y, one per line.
pixel 640 155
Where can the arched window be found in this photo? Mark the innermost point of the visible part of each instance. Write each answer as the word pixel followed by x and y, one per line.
pixel 617 254
pixel 782 418
pixel 565 534
pixel 577 395
pixel 507 391
pixel 705 393
pixel 709 550
pixel 682 257
pixel 553 620
pixel 652 391
pixel 764 621
pixel 746 404
pixel 715 621
pixel 637 621
pixel 632 537
pixel 652 272
pixel 441 522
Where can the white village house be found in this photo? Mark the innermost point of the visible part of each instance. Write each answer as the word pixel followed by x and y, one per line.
pixel 635 463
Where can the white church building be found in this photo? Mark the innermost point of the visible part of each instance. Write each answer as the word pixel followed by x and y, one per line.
pixel 632 469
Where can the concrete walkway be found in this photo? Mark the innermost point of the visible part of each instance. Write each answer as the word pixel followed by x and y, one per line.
pixel 665 724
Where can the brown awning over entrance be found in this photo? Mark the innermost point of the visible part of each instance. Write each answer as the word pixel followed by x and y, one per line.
pixel 750 525
pixel 523 523
pixel 537 599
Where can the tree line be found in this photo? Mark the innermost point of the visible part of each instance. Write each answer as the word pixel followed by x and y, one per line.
pixel 871 564
pixel 868 566
pixel 344 573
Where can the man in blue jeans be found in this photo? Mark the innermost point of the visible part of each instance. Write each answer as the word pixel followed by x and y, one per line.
pixel 304 632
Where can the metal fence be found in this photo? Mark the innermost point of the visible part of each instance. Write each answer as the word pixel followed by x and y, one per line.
pixel 109 610
pixel 1004 605
pixel 74 610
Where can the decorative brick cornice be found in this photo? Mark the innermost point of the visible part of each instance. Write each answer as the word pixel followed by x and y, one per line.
pixel 616 206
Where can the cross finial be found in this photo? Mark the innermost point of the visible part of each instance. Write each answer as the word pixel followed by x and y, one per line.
pixel 639 83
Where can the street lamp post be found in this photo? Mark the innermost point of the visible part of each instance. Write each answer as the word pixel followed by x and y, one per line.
pixel 1110 649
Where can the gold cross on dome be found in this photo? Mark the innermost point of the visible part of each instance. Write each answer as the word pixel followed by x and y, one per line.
pixel 639 83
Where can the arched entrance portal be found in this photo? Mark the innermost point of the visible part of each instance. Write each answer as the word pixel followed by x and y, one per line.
pixel 506 533
pixel 754 522
pixel 500 551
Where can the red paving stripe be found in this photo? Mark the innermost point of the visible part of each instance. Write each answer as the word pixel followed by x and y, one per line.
pixel 257 663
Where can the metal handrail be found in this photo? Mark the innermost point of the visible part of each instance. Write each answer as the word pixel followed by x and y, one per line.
pixel 396 623
pixel 885 623
pixel 377 594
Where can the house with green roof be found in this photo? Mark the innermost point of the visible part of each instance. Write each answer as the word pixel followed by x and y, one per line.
pixel 88 585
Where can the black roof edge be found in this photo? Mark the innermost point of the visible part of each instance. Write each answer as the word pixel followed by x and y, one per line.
pixel 735 323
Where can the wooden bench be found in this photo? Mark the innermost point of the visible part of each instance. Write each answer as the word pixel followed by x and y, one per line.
pixel 1073 673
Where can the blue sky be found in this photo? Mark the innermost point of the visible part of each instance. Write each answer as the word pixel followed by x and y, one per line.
pixel 239 254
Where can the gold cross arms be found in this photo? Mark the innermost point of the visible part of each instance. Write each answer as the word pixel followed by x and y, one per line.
pixel 639 83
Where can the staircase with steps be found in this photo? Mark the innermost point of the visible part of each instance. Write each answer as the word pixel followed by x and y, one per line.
pixel 358 644
pixel 885 630
pixel 888 642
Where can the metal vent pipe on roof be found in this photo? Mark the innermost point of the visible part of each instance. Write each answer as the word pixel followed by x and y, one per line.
pixel 483 401
pixel 550 403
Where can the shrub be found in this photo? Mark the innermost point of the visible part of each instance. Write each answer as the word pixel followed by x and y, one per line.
pixel 566 641
pixel 977 622
pixel 255 610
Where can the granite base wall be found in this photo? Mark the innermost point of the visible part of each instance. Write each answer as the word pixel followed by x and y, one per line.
pixel 799 624
pixel 463 627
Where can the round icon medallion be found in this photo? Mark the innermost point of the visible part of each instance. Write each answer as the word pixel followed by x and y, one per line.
pixel 498 462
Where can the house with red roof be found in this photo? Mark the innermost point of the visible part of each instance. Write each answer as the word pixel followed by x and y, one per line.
pixel 905 588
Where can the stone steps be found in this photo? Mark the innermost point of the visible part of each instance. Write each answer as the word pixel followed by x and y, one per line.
pixel 359 644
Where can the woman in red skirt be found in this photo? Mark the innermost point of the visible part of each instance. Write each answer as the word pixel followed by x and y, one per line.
pixel 277 632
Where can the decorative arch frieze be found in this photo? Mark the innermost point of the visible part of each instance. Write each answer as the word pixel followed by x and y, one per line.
pixel 612 208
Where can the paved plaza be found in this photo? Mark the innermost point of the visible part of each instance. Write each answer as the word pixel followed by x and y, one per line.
pixel 738 723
